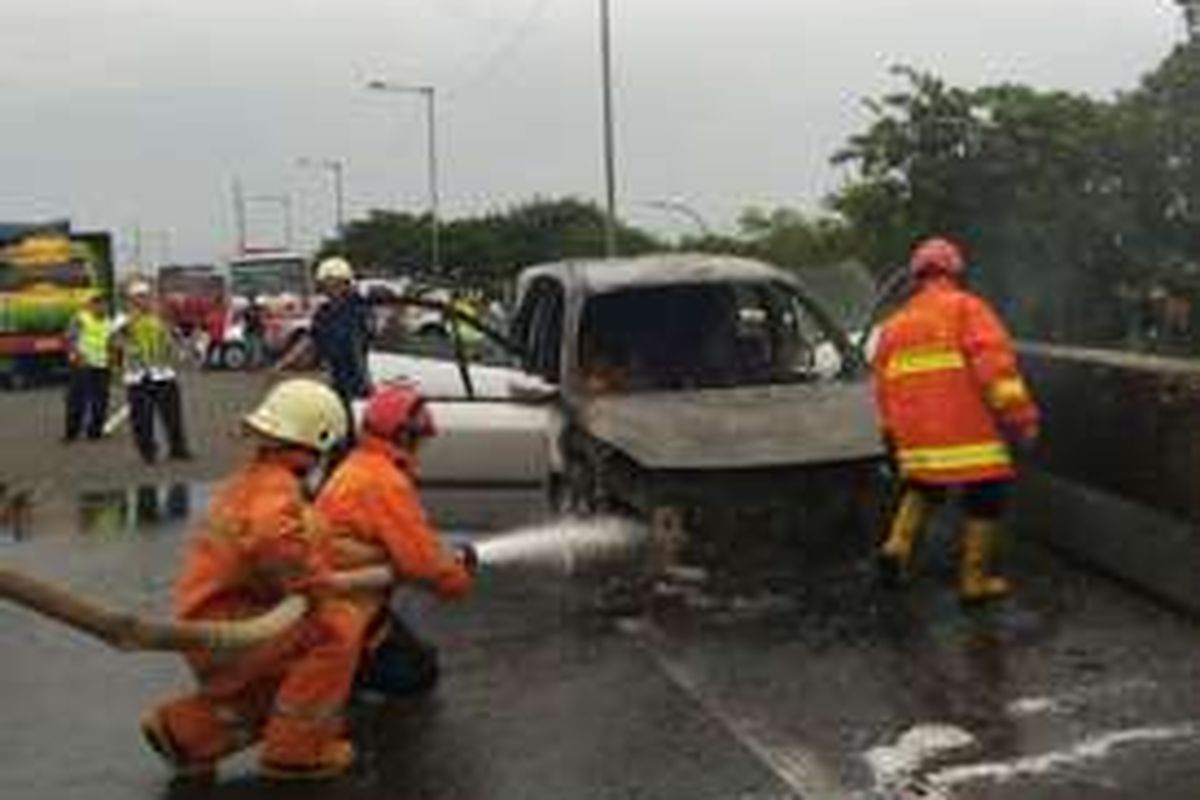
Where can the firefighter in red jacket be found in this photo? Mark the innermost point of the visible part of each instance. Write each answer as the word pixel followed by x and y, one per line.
pixel 950 398
pixel 375 517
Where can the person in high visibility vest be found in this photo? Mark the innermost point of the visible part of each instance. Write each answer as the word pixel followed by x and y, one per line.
pixel 950 398
pixel 465 311
pixel 149 354
pixel 89 360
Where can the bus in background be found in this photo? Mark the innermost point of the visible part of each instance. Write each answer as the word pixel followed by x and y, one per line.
pixel 281 284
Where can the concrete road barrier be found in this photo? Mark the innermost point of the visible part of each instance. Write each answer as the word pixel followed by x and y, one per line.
pixel 1114 481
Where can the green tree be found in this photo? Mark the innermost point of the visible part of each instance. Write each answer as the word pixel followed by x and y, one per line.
pixel 1024 178
pixel 782 236
pixel 485 249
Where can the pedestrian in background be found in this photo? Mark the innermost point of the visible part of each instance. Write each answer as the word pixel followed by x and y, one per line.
pixel 88 343
pixel 254 332
pixel 949 396
pixel 214 335
pixel 148 354
pixel 340 333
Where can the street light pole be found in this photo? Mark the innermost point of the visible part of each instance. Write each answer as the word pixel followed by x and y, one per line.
pixel 435 220
pixel 680 207
pixel 239 214
pixel 610 180
pixel 429 93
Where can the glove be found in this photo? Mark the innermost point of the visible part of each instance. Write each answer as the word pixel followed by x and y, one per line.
pixel 468 556
pixel 1025 437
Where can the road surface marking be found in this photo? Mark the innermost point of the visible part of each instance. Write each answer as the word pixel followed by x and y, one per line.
pixel 895 766
pixel 1067 701
pixel 1095 748
pixel 794 764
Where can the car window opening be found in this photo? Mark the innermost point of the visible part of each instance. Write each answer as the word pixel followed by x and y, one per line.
pixel 698 336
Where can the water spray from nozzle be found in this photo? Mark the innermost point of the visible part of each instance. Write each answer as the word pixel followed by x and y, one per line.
pixel 567 547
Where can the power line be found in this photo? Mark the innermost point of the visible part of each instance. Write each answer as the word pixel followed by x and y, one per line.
pixel 492 64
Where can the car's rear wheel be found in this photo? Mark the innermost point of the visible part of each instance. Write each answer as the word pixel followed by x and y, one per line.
pixel 234 356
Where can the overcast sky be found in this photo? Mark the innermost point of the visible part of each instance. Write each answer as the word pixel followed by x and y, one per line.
pixel 139 113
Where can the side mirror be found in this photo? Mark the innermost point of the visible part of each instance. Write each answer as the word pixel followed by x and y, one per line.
pixel 531 388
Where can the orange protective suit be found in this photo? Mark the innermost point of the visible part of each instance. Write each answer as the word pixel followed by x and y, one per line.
pixel 946 379
pixel 260 541
pixel 375 516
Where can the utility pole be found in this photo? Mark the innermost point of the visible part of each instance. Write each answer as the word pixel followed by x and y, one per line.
pixel 429 93
pixel 610 179
pixel 1191 17
pixel 239 215
pixel 288 229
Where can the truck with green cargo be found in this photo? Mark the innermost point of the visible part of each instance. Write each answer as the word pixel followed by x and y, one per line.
pixel 46 274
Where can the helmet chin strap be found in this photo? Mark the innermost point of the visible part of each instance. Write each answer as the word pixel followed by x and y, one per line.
pixel 406 450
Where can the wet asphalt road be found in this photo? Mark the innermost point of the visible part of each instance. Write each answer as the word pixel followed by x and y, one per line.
pixel 832 688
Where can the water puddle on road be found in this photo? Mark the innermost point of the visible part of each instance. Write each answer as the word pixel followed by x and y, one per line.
pixel 115 513
pixel 110 513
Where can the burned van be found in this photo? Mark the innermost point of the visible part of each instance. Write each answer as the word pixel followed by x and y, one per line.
pixel 707 393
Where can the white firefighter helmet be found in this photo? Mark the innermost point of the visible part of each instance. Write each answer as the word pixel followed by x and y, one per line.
pixel 138 288
pixel 300 411
pixel 335 268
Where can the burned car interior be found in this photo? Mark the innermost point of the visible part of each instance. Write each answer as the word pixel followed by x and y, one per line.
pixel 699 336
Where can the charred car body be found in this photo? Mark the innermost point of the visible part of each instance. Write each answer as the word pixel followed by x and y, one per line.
pixel 704 393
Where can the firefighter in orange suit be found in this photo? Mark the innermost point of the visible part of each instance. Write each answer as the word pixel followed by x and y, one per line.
pixel 260 541
pixel 950 399
pixel 375 517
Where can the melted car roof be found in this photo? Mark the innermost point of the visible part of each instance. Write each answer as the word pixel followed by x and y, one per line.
pixel 597 276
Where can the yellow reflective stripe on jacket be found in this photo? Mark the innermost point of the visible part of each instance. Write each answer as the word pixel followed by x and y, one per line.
pixel 1007 392
pixel 991 454
pixel 915 362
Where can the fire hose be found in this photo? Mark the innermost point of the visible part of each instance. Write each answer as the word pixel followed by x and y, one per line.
pixel 124 630
pixel 563 547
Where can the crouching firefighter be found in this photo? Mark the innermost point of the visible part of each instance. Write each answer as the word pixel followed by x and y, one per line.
pixel 375 517
pixel 259 542
pixel 950 397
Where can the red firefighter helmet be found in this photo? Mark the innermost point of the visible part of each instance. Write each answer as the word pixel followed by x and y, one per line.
pixel 936 257
pixel 396 408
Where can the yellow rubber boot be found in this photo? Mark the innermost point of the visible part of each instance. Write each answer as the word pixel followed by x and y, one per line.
pixel 975 584
pixel 896 554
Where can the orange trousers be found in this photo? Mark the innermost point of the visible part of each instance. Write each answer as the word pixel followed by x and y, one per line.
pixel 290 693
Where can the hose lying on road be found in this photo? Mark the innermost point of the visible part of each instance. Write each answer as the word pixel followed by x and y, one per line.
pixel 561 547
pixel 127 631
